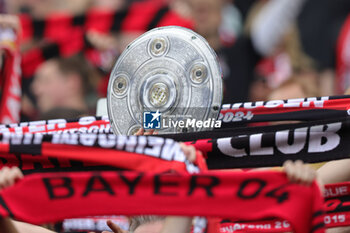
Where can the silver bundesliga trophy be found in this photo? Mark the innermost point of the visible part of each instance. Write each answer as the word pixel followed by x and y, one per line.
pixel 168 79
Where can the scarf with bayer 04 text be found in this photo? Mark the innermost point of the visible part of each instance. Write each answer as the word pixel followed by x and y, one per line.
pixel 146 189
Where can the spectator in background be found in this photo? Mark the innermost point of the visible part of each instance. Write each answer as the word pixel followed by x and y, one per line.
pixel 321 24
pixel 237 60
pixel 295 87
pixel 275 37
pixel 64 83
pixel 240 58
pixel 39 9
pixel 207 16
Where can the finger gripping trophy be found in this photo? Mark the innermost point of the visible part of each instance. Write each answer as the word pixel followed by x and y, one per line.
pixel 168 79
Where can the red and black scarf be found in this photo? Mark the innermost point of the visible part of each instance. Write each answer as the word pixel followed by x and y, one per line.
pixel 314 141
pixel 250 196
pixel 10 77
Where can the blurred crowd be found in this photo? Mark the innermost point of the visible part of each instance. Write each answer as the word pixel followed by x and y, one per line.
pixel 267 49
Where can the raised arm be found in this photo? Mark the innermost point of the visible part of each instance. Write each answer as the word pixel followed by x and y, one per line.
pixel 335 171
